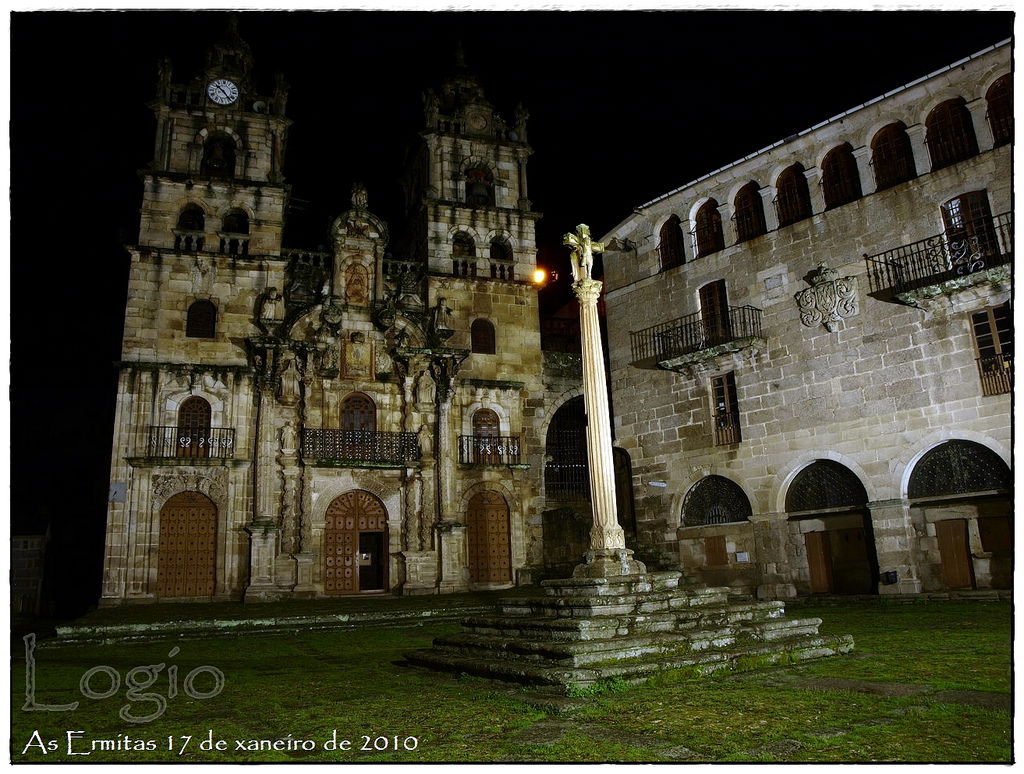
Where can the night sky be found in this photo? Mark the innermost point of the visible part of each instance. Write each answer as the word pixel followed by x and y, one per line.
pixel 624 106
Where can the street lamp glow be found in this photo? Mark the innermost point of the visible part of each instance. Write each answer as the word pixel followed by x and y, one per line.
pixel 539 276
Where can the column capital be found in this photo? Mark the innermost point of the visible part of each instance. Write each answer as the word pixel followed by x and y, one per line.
pixel 587 291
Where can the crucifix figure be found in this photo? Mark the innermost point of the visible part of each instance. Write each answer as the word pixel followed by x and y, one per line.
pixel 608 555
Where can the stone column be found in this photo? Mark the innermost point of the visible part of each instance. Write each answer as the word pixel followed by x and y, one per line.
pixel 771 215
pixel 894 546
pixel 862 155
pixel 264 532
pixel 608 555
pixel 982 128
pixel 922 159
pixel 813 176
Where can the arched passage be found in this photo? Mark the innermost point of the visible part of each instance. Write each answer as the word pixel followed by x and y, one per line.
pixel 831 504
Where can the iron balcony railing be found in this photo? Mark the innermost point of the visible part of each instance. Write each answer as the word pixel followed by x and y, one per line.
pixel 979 245
pixel 694 333
pixel 192 442
pixel 360 446
pixel 489 450
pixel 727 429
pixel 996 373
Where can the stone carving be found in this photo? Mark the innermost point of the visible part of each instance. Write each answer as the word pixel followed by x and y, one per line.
pixel 288 392
pixel 211 482
pixel 357 285
pixel 440 323
pixel 269 306
pixel 360 197
pixel 358 356
pixel 829 300
pixel 582 250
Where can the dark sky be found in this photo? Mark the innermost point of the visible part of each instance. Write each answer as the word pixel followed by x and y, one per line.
pixel 624 106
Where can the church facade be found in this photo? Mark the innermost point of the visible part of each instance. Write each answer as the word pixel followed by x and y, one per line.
pixel 812 351
pixel 300 423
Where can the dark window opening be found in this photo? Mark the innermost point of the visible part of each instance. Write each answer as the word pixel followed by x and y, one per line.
pixel 1000 110
pixel 840 180
pixel 749 213
pixel 708 228
pixel 892 156
pixel 793 198
pixel 481 335
pixel 201 320
pixel 950 134
pixel 671 246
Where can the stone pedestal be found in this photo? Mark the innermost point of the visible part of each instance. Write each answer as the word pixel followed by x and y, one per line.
pixel 304 564
pixel 420 572
pixel 894 541
pixel 454 576
pixel 263 539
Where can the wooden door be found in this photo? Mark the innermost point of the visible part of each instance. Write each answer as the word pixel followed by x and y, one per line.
pixel 486 434
pixel 714 313
pixel 851 568
pixel 347 518
pixel 487 531
pixel 187 558
pixel 819 561
pixel 957 570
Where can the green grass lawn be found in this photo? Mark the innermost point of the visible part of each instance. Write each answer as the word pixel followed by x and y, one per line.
pixel 925 683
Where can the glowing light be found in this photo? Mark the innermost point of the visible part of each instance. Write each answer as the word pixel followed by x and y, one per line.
pixel 539 276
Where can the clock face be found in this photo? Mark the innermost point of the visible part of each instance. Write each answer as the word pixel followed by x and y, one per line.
pixel 222 91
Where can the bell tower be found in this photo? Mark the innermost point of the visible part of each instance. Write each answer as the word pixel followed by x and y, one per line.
pixel 216 182
pixel 469 185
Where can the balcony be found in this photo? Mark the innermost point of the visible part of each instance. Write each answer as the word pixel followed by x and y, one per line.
pixel 359 448
pixel 727 429
pixel 943 263
pixel 191 442
pixel 996 374
pixel 693 339
pixel 489 450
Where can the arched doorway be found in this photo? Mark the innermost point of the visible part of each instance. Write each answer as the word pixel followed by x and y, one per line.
pixel 487 536
pixel 831 504
pixel 960 493
pixel 187 549
pixel 566 472
pixel 355 544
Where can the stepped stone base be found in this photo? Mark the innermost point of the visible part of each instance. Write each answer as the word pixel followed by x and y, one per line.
pixel 585 630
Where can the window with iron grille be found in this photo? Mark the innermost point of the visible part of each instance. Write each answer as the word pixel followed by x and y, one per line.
pixel 748 210
pixel 481 334
pixel 671 245
pixel 1000 110
pixel 201 320
pixel 358 414
pixel 840 180
pixel 715 500
pixel 727 411
pixel 708 229
pixel 949 133
pixel 825 484
pixel 958 467
pixel 970 230
pixel 892 156
pixel 793 198
pixel 993 343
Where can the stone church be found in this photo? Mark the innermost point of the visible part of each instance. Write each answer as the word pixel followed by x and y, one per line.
pixel 302 423
pixel 812 351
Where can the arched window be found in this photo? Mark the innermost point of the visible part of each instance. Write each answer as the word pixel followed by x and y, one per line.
pixel 218 156
pixel 825 484
pixel 671 244
pixel 749 212
pixel 793 199
pixel 949 133
pixel 715 500
pixel 892 156
pixel 566 471
pixel 236 222
pixel 970 233
pixel 1000 110
pixel 192 438
pixel 358 414
pixel 840 180
pixel 958 467
pixel 481 335
pixel 188 235
pixel 501 259
pixel 201 320
pixel 479 187
pixel 463 246
pixel 486 431
pixel 708 229
pixel 192 218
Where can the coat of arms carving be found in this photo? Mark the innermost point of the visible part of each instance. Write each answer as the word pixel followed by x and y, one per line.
pixel 830 298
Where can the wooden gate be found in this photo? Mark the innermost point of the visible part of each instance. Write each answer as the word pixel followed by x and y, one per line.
pixel 957 570
pixel 187 558
pixel 355 544
pixel 819 562
pixel 487 529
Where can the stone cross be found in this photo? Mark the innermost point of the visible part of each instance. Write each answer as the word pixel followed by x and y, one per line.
pixel 608 555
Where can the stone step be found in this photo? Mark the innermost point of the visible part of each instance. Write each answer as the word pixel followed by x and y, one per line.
pixel 522 671
pixel 599 627
pixel 622 584
pixel 581 606
pixel 583 652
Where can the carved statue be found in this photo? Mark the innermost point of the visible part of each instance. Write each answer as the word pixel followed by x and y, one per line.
pixel 521 116
pixel 280 93
pixel 289 438
pixel 360 197
pixel 582 252
pixel 440 322
pixel 288 392
pixel 431 107
pixel 268 306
